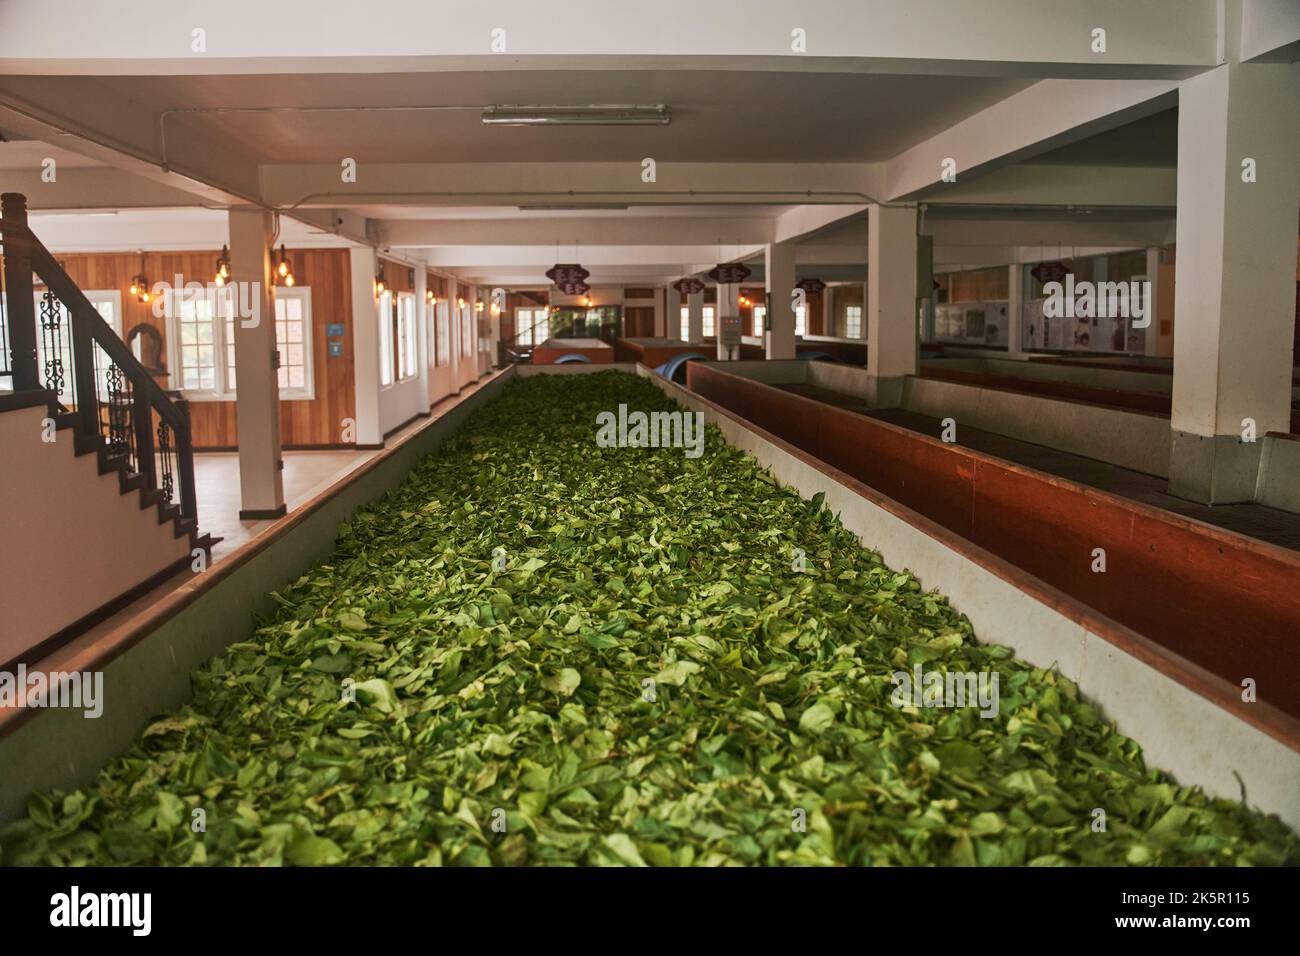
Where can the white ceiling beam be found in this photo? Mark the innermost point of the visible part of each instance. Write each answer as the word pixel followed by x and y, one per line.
pixel 91 188
pixel 207 169
pixel 1049 114
pixel 675 230
pixel 1077 230
pixel 1030 184
pixel 1270 31
pixel 1049 37
pixel 588 256
pixel 477 184
pixel 956 258
pixel 157 230
pixel 803 220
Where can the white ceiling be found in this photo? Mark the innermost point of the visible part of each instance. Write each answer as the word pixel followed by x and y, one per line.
pixel 648 211
pixel 718 116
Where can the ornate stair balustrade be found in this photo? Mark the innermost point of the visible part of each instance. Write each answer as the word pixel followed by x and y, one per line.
pixel 99 388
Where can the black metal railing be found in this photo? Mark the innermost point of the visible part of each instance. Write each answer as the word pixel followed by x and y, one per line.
pixel 60 343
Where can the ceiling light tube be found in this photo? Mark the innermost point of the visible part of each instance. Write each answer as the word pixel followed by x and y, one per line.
pixel 658 115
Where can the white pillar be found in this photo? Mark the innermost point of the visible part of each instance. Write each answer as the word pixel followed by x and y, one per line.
pixel 475 360
pixel 257 400
pixel 423 344
pixel 891 300
pixel 695 316
pixel 1015 308
pixel 494 324
pixel 727 303
pixel 1235 289
pixel 1151 334
pixel 365 347
pixel 454 291
pixel 865 328
pixel 778 259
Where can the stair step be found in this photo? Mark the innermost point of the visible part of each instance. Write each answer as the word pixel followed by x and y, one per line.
pixel 129 481
pixel 109 463
pixel 150 497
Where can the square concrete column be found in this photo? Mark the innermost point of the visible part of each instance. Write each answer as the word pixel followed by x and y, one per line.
pixel 778 259
pixel 365 347
pixel 728 303
pixel 1238 193
pixel 423 344
pixel 257 398
pixel 1151 334
pixel 891 300
pixel 1015 310
pixel 661 313
pixel 695 317
pixel 496 296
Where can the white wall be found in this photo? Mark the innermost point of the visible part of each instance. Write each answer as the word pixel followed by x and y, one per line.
pixel 73 541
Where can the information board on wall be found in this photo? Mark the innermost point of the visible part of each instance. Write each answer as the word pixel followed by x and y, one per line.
pixel 730 330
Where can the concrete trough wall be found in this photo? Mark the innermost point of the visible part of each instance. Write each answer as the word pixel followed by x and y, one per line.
pixel 1279 473
pixel 147 661
pixel 1130 439
pixel 1183 715
pixel 1226 603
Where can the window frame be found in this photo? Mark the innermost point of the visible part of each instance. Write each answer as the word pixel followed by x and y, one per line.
pixel 307 391
pixel 406 346
pixel 848 318
pixel 221 390
pixel 467 330
pixel 385 308
pixel 442 352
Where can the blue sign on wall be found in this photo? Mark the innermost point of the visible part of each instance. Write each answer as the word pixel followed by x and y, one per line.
pixel 334 329
pixel 336 350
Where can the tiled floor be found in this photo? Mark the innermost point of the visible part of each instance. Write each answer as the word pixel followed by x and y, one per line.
pixel 1256 521
pixel 216 479
pixel 306 474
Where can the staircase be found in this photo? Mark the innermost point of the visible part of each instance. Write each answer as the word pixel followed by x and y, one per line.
pixel 71 371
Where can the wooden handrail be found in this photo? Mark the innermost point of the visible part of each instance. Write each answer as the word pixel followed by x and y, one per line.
pixel 85 315
pixel 25 255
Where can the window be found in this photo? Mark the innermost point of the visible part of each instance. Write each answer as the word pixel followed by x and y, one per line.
pixel 467 329
pixel 708 320
pixel 292 341
pixel 386 357
pixel 444 333
pixel 430 313
pixel 532 326
pixel 760 319
pixel 800 320
pixel 853 321
pixel 405 336
pixel 194 319
pixel 686 324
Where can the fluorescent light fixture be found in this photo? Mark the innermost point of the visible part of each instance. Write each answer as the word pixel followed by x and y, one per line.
pixel 552 206
pixel 577 115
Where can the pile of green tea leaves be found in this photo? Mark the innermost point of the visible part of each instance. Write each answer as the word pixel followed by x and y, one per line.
pixel 410 703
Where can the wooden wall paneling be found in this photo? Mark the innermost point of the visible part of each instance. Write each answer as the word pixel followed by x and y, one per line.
pixel 325 271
